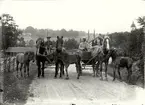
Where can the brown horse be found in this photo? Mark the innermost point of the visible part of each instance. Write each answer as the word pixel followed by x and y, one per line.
pixel 65 59
pixel 24 59
pixel 120 61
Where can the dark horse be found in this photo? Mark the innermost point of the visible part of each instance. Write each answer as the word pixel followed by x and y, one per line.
pixel 41 56
pixel 120 61
pixel 58 57
pixel 98 54
pixel 65 59
pixel 24 59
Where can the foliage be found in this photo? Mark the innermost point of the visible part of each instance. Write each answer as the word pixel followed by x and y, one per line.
pixel 9 31
pixel 141 21
pixel 53 33
pixel 71 44
pixel 21 42
pixel 135 42
pixel 31 43
pixel 120 40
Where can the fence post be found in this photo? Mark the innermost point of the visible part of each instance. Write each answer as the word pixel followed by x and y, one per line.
pixel 1 66
pixel 143 49
pixel 9 62
pixel 13 63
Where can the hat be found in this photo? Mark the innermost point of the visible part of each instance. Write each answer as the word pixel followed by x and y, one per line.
pixel 48 37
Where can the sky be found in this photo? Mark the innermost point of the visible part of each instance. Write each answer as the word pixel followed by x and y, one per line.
pixel 103 16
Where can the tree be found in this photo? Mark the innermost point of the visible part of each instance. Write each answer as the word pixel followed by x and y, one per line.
pixel 141 21
pixel 31 43
pixel 71 44
pixel 10 31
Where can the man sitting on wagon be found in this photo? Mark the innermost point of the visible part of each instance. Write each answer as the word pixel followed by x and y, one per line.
pixel 97 46
pixel 84 45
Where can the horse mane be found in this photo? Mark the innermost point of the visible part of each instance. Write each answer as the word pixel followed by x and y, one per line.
pixel 104 40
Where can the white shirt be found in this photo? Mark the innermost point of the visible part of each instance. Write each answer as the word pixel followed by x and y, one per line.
pixel 84 45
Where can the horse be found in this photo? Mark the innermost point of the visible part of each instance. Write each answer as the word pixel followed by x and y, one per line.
pixel 58 56
pixel 102 57
pixel 65 59
pixel 98 54
pixel 24 59
pixel 42 56
pixel 120 61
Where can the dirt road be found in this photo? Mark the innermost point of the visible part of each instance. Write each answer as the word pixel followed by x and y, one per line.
pixel 85 91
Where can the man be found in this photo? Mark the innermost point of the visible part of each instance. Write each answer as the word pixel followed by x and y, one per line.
pixel 48 45
pixel 84 46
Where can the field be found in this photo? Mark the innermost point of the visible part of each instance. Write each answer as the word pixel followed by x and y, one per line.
pixel 16 89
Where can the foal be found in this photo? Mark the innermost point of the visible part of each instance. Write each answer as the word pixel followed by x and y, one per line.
pixel 24 59
pixel 120 62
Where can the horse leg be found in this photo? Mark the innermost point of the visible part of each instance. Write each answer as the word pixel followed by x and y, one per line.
pixel 129 75
pixel 106 65
pixel 61 69
pixel 78 68
pixel 21 69
pixel 114 73
pixel 101 71
pixel 17 67
pixel 25 70
pixel 119 74
pixel 28 69
pixel 66 70
pixel 43 64
pixel 94 71
pixel 39 68
pixel 56 69
pixel 97 69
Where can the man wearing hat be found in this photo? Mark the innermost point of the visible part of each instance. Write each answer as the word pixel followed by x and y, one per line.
pixel 48 45
pixel 84 46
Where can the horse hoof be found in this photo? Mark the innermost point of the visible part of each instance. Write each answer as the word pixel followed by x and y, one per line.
pixel 101 79
pixel 120 80
pixel 55 77
pixel 1 90
pixel 113 80
pixel 106 79
pixel 67 78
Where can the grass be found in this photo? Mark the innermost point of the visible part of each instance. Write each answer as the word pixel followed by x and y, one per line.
pixel 124 74
pixel 16 89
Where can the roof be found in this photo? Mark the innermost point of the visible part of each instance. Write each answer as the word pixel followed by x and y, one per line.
pixel 133 25
pixel 20 49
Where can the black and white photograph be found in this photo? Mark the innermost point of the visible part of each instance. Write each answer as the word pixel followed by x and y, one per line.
pixel 72 52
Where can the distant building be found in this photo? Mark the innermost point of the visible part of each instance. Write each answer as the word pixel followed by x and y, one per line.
pixel 133 27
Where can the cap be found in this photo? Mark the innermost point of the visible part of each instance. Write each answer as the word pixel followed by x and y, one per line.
pixel 48 37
